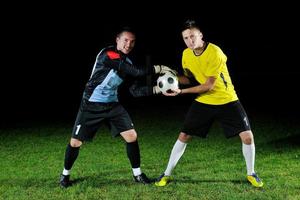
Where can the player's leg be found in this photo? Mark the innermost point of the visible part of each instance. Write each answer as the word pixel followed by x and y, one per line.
pixel 133 154
pixel 81 132
pixel 234 120
pixel 71 155
pixel 248 149
pixel 121 124
pixel 176 153
pixel 197 122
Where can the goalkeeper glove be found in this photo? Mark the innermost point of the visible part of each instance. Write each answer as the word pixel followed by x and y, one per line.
pixel 156 90
pixel 162 69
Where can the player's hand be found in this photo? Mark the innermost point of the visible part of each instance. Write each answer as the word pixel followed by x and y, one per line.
pixel 162 69
pixel 173 93
pixel 156 90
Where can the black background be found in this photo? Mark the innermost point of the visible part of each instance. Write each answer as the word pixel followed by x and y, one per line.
pixel 48 51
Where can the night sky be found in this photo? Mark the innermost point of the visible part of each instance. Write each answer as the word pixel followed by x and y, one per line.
pixel 50 51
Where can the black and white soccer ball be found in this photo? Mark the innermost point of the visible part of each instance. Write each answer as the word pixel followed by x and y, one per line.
pixel 167 82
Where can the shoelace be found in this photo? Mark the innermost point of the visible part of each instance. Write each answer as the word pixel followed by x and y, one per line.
pixel 160 177
pixel 256 177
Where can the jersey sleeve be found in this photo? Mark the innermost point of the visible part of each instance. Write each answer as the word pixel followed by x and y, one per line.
pixel 123 65
pixel 133 70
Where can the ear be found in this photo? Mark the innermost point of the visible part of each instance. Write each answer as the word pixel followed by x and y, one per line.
pixel 200 35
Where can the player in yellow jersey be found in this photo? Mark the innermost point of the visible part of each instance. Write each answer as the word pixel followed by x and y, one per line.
pixel 217 100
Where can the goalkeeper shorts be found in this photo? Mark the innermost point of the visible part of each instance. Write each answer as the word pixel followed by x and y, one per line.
pixel 92 115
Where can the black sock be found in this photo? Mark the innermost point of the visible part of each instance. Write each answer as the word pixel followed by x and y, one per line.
pixel 133 153
pixel 70 156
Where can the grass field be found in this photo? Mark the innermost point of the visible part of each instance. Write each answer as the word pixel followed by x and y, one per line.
pixel 213 168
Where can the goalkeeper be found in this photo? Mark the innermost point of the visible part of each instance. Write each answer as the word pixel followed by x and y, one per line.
pixel 100 102
pixel 216 100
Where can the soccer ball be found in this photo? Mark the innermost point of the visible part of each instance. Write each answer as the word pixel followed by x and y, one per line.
pixel 167 82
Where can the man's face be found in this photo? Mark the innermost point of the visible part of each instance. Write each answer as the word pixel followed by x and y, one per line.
pixel 192 38
pixel 125 42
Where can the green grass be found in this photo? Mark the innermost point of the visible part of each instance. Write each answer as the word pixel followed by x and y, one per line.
pixel 212 168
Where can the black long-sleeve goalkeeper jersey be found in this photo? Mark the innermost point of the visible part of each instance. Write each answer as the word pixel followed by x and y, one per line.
pixel 111 68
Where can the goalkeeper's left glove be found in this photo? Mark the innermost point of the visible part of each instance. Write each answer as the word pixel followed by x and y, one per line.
pixel 156 90
pixel 162 69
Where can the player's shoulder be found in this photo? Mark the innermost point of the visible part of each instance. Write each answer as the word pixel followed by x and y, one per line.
pixel 213 47
pixel 214 51
pixel 187 52
pixel 110 52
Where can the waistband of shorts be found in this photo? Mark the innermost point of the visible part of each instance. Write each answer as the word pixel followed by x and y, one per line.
pixel 100 103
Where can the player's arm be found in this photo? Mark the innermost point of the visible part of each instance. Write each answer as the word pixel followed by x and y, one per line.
pixel 140 91
pixel 137 71
pixel 118 62
pixel 184 80
pixel 133 70
pixel 198 89
pixel 187 78
pixel 137 89
pixel 207 86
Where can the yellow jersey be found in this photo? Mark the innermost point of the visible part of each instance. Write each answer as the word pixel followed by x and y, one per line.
pixel 212 62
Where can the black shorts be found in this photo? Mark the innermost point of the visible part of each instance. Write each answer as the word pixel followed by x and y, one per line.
pixel 91 115
pixel 231 116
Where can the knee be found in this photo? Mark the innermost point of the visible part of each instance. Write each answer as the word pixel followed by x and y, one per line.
pixel 247 140
pixel 184 137
pixel 75 142
pixel 247 137
pixel 129 136
pixel 133 136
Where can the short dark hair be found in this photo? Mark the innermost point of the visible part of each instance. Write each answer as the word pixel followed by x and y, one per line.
pixel 125 29
pixel 190 23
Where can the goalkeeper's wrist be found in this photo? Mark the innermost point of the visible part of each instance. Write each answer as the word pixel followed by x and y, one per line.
pixel 180 92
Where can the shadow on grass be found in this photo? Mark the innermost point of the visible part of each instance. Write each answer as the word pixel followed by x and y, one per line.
pixel 214 182
pixel 91 181
pixel 98 181
pixel 192 181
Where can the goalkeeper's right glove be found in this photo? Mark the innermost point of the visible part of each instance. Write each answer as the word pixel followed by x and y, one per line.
pixel 156 90
pixel 162 69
